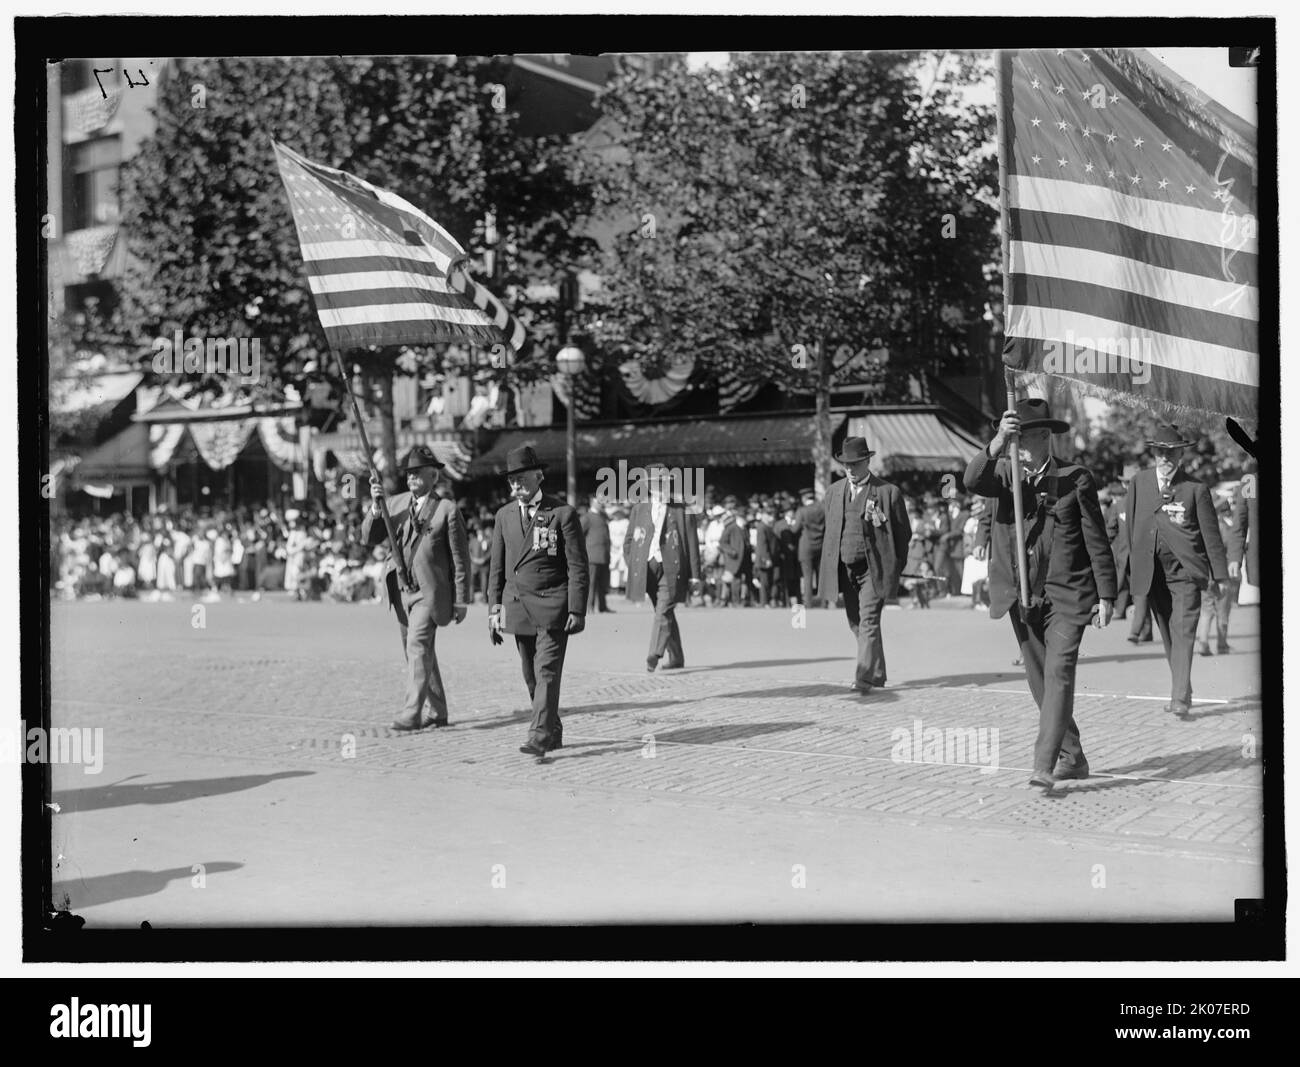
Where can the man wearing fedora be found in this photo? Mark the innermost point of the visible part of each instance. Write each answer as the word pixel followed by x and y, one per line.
pixel 810 525
pixel 537 589
pixel 662 551
pixel 432 540
pixel 1071 573
pixel 863 552
pixel 1175 552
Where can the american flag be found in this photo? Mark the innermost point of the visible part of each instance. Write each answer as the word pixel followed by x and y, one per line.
pixel 378 266
pixel 1130 230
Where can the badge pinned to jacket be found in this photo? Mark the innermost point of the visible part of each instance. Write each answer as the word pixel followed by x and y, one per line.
pixel 1177 513
pixel 545 537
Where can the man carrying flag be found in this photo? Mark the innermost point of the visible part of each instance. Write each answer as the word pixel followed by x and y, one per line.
pixel 1070 573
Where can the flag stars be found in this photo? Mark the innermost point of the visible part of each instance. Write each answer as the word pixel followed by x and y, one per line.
pixel 1062 125
pixel 1060 51
pixel 1162 183
pixel 1110 174
pixel 1111 137
pixel 1086 132
pixel 1087 168
pixel 1035 84
pixel 1114 98
pixel 1060 89
pixel 1085 57
pixel 1138 142
pixel 1062 162
pixel 1135 179
pixel 1191 188
pixel 1036 159
pixel 1165 146
pixel 1035 122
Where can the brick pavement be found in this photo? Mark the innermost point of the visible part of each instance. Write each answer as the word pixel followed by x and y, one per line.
pixel 293 684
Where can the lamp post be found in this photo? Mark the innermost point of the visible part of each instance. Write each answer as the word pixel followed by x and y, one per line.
pixel 570 361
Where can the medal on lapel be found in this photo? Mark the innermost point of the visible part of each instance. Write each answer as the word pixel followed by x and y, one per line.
pixel 551 541
pixel 1176 512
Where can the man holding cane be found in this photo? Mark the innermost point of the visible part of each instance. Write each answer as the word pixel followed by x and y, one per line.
pixel 1071 573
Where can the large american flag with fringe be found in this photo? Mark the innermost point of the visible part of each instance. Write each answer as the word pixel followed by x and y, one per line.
pixel 1131 230
pixel 378 267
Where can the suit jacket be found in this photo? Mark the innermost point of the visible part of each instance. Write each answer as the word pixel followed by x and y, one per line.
pixel 886 544
pixel 1117 531
pixel 440 566
pixel 1187 524
pixel 539 572
pixel 811 521
pixel 1070 560
pixel 679 546
pixel 734 547
pixel 767 550
pixel 953 538
pixel 596 530
pixel 1245 530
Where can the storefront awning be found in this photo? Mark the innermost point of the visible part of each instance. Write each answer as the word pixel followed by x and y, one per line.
pixel 773 440
pixel 121 460
pixel 914 441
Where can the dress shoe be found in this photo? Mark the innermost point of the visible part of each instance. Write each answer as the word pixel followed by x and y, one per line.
pixel 400 727
pixel 858 687
pixel 651 662
pixel 674 666
pixel 1042 779
pixel 1064 770
pixel 1178 709
pixel 1204 648
pixel 531 749
pixel 1132 639
pixel 1223 648
pixel 435 724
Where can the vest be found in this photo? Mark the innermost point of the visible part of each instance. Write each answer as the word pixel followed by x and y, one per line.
pixel 853 547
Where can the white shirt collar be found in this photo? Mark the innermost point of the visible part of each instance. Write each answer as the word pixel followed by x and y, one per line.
pixel 536 498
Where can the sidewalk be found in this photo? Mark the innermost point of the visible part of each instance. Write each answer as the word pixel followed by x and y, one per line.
pixel 751 785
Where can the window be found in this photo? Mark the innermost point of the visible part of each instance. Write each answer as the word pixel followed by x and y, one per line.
pixel 90 198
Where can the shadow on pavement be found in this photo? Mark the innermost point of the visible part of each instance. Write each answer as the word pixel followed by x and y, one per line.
pixel 1223 758
pixel 582 709
pixel 103 889
pixel 816 690
pixel 754 664
pixel 119 795
pixel 1235 705
pixel 705 735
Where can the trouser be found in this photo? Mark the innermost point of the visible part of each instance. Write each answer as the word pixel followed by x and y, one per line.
pixel 1215 613
pixel 1177 608
pixel 1049 645
pixel 665 637
pixel 542 657
pixel 423 679
pixel 810 593
pixel 599 586
pixel 863 605
pixel 765 591
pixel 1140 624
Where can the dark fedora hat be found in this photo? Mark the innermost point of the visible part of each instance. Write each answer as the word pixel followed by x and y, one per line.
pixel 420 456
pixel 523 459
pixel 1033 413
pixel 1167 436
pixel 854 449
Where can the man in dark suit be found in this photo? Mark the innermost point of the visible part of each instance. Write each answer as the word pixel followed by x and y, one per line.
pixel 662 552
pixel 1071 574
pixel 432 540
pixel 735 554
pixel 1117 531
pixel 865 547
pixel 1244 543
pixel 1175 552
pixel 810 522
pixel 767 557
pixel 952 537
pixel 595 527
pixel 537 589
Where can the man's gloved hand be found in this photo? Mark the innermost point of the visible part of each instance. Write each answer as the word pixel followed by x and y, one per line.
pixel 575 624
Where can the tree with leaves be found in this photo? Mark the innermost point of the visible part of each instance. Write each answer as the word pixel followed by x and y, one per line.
pixel 213 247
pixel 813 220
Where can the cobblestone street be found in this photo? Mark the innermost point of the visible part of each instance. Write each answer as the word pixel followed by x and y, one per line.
pixel 249 774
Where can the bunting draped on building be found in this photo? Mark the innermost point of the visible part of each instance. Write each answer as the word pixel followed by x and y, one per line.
pixel 280 439
pixel 380 270
pixel 219 443
pixel 1130 230
pixel 660 390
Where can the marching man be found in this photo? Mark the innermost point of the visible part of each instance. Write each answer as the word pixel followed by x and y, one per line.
pixel 1071 574
pixel 537 589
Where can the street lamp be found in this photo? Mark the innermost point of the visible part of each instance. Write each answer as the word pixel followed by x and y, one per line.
pixel 570 362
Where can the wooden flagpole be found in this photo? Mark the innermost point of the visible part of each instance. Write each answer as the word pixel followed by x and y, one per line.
pixel 1013 445
pixel 395 547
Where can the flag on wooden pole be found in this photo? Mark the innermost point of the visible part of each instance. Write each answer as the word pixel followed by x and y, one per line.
pixel 381 271
pixel 1130 230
